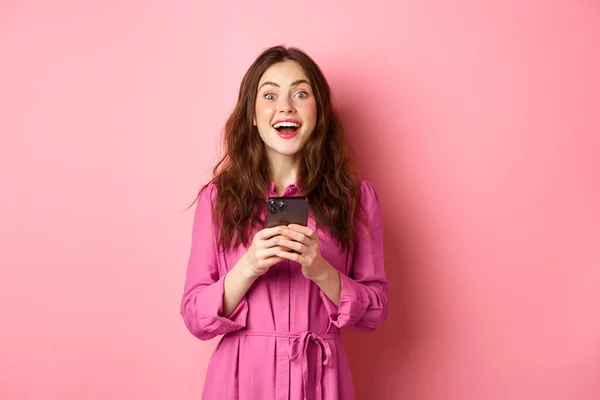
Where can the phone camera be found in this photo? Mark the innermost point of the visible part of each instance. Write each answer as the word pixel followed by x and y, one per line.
pixel 276 206
pixel 272 206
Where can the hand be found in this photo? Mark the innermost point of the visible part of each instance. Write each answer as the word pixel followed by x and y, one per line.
pixel 305 242
pixel 262 253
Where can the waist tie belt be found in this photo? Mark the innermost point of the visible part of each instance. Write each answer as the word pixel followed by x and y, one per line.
pixel 299 351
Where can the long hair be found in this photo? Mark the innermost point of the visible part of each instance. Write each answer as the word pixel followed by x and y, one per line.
pixel 327 177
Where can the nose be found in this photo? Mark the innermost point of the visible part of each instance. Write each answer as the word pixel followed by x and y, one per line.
pixel 285 105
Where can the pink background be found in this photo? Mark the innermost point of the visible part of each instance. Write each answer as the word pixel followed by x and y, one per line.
pixel 478 122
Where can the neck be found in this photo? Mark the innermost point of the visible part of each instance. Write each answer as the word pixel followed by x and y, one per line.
pixel 283 171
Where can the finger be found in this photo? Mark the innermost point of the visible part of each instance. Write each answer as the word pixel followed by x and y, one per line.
pixel 304 230
pixel 266 253
pixel 269 262
pixel 291 256
pixel 293 245
pixel 265 244
pixel 269 232
pixel 297 236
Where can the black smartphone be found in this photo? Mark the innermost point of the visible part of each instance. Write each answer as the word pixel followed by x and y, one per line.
pixel 287 210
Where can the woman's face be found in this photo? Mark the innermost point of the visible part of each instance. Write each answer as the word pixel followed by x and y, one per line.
pixel 285 109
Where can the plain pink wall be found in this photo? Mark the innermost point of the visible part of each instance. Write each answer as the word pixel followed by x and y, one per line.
pixel 479 123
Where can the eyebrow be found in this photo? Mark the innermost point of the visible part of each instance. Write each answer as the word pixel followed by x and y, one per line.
pixel 299 81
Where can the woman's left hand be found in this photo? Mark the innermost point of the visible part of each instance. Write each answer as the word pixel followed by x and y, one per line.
pixel 305 242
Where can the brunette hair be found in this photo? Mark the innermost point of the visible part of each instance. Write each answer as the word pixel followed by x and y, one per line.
pixel 327 177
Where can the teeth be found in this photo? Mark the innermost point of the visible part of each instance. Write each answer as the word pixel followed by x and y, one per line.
pixel 283 124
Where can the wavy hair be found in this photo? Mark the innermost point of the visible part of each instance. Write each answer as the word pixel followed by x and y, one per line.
pixel 326 176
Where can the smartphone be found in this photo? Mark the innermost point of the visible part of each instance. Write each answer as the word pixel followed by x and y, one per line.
pixel 287 210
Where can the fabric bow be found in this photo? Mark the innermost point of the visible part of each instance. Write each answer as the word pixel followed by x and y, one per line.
pixel 299 348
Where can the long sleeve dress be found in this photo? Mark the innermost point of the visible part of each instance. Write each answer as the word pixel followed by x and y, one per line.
pixel 283 340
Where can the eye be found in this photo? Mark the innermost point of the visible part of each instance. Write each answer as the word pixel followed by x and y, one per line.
pixel 269 96
pixel 302 95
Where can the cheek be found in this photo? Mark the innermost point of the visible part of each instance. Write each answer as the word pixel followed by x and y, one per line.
pixel 264 112
pixel 311 113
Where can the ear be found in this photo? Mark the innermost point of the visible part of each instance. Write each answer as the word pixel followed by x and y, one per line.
pixel 254 121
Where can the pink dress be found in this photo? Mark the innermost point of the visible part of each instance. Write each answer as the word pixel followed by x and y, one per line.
pixel 283 340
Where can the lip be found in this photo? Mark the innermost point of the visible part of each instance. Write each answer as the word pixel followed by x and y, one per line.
pixel 286 120
pixel 289 135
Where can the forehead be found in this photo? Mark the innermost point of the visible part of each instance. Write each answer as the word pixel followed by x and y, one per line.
pixel 283 73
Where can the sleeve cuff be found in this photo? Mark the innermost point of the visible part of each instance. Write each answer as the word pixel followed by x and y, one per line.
pixel 209 306
pixel 352 307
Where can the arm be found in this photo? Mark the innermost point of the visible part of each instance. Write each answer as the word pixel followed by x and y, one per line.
pixel 362 297
pixel 211 304
pixel 331 284
pixel 237 283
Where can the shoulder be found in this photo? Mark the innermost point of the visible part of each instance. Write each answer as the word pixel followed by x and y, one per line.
pixel 209 189
pixel 368 194
pixel 206 196
pixel 370 208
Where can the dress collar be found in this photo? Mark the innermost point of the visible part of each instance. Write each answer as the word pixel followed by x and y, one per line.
pixel 290 190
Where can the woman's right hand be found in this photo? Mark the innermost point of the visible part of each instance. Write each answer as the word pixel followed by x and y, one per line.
pixel 261 253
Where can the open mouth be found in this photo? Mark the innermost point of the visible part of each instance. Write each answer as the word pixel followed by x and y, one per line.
pixel 287 128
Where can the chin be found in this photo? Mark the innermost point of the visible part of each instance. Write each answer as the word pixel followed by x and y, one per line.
pixel 286 150
pixel 289 152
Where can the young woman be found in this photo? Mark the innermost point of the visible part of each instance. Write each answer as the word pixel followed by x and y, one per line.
pixel 281 296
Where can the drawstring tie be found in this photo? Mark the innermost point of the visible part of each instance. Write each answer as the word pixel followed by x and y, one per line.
pixel 299 352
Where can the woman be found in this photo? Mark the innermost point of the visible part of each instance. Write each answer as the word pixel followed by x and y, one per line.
pixel 280 296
